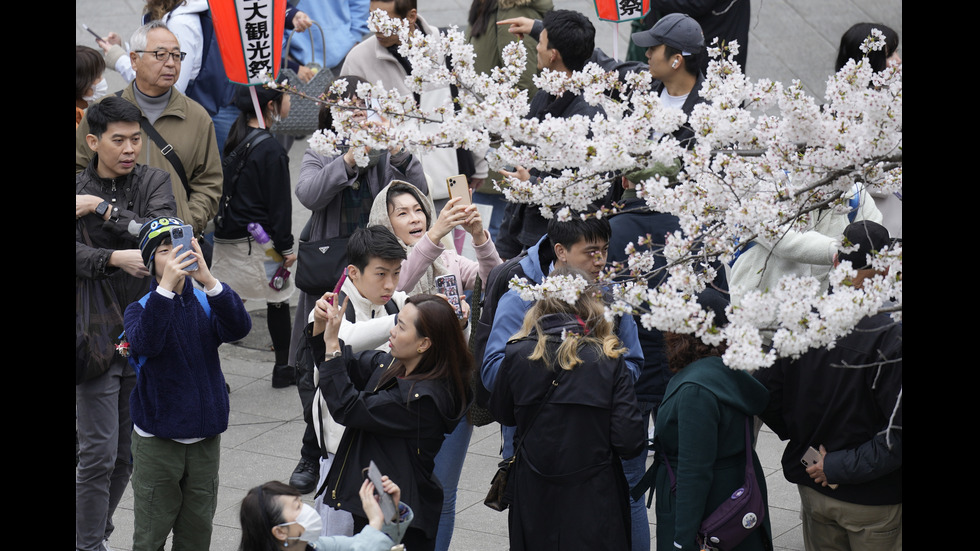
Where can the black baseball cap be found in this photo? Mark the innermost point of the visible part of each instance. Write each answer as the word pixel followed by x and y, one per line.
pixel 676 30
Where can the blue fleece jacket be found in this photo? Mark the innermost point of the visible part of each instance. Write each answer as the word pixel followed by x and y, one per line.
pixel 509 317
pixel 180 391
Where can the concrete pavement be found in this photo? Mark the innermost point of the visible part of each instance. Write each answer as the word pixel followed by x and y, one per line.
pixel 789 39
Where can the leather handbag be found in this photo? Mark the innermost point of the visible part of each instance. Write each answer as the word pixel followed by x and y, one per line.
pixel 303 119
pixel 500 495
pixel 740 515
pixel 320 263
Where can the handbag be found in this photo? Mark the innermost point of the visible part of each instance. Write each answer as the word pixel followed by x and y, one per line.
pixel 739 515
pixel 498 497
pixel 98 319
pixel 319 264
pixel 304 114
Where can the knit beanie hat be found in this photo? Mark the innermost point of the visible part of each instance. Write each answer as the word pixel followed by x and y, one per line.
pixel 153 233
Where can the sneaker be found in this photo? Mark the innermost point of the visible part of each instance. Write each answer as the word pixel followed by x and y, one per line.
pixel 105 545
pixel 283 376
pixel 305 475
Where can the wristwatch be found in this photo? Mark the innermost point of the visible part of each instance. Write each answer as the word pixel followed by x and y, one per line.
pixel 336 354
pixel 103 206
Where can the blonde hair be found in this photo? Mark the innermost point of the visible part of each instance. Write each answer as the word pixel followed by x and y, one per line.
pixel 590 310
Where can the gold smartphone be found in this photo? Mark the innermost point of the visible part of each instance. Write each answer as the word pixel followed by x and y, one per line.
pixel 459 188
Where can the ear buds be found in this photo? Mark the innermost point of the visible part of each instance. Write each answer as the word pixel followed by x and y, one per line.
pixel 674 64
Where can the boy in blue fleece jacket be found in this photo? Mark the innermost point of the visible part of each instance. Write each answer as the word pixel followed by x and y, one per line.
pixel 180 404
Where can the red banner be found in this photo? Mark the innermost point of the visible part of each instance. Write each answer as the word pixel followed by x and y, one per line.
pixel 250 37
pixel 621 10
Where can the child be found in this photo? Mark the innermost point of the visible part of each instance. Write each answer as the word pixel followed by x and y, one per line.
pixel 180 404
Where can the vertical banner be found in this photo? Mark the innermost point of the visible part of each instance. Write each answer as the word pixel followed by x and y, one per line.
pixel 250 37
pixel 621 10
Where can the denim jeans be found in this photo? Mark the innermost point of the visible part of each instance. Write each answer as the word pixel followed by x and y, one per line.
pixel 448 465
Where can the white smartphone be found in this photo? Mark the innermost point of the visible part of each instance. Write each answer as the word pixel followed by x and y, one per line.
pixel 459 188
pixel 181 235
pixel 812 457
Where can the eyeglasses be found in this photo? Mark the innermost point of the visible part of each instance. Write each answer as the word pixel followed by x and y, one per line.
pixel 161 55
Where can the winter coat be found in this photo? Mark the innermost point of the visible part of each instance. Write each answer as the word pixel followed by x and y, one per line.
pixel 846 409
pixel 701 431
pixel 141 195
pixel 569 488
pixel 180 389
pixel 189 129
pixel 400 426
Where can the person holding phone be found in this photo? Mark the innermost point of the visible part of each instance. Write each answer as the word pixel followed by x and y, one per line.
pixel 180 404
pixel 397 406
pixel 274 518
pixel 339 195
pixel 407 212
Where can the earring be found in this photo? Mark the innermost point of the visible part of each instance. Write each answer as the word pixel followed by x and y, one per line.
pixel 419 350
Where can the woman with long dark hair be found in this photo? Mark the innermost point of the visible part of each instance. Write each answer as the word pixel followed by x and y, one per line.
pixel 274 518
pixel 397 406
pixel 569 489
pixel 257 190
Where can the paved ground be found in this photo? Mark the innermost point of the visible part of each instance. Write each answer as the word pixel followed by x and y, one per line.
pixel 789 39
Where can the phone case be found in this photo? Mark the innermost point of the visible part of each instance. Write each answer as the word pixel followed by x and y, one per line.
pixel 459 188
pixel 387 504
pixel 181 235
pixel 447 286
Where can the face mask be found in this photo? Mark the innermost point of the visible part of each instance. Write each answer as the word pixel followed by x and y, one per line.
pixel 98 91
pixel 310 520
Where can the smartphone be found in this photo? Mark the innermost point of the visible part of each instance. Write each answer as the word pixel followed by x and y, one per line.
pixel 812 457
pixel 447 286
pixel 388 508
pixel 96 35
pixel 459 188
pixel 181 235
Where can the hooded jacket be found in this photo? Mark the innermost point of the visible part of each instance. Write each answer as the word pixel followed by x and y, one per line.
pixel 399 425
pixel 427 260
pixel 510 316
pixel 701 431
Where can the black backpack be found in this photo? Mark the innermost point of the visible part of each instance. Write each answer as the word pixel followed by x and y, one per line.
pixel 496 287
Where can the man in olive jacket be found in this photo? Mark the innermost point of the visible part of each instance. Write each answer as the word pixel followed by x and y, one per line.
pixel 181 121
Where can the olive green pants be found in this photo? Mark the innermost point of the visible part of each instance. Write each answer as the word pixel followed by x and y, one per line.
pixel 175 487
pixel 833 525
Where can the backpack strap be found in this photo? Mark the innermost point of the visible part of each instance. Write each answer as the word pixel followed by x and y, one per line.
pixel 240 154
pixel 137 361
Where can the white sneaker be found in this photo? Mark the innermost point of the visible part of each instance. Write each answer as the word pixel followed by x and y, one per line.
pixel 105 545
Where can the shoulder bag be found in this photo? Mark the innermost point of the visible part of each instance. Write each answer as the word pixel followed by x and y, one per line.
pixel 739 515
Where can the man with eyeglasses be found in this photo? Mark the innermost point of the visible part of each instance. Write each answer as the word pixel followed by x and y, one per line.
pixel 186 145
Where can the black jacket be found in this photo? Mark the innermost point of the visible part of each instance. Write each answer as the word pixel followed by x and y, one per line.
pixel 400 426
pixel 141 195
pixel 636 220
pixel 815 401
pixel 262 194
pixel 569 488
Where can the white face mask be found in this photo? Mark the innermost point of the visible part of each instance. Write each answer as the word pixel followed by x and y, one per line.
pixel 98 91
pixel 311 522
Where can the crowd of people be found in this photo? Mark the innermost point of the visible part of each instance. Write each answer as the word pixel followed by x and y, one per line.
pixel 184 214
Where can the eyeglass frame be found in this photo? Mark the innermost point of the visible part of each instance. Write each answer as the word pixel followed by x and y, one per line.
pixel 176 56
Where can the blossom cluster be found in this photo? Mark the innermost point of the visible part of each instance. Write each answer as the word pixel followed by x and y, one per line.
pixel 767 161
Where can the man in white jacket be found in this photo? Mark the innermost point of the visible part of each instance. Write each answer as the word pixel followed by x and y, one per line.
pixel 375 263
